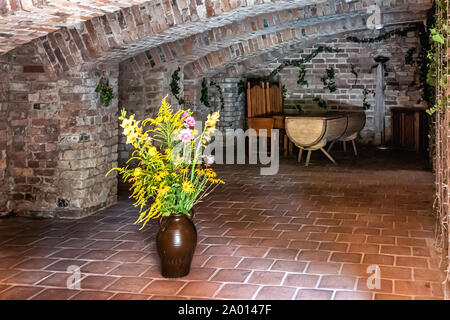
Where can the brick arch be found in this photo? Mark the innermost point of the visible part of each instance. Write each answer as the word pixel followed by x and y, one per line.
pixel 248 51
pixel 67 37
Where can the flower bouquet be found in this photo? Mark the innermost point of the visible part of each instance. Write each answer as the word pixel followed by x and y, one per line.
pixel 171 175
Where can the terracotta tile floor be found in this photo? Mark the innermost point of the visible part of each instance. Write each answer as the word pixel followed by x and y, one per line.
pixel 306 233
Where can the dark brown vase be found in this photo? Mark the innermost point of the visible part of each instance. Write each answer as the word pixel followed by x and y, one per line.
pixel 176 241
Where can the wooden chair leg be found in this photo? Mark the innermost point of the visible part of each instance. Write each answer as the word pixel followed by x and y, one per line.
pixel 328 155
pixel 300 152
pixel 308 156
pixel 331 145
pixel 345 145
pixel 291 146
pixel 354 147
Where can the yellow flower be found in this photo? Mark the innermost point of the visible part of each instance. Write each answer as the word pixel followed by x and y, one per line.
pixel 212 119
pixel 188 187
pixel 152 151
pixel 185 170
pixel 216 180
pixel 128 130
pixel 127 122
pixel 160 175
pixel 163 190
pixel 131 138
pixel 137 172
pixel 209 173
pixel 200 171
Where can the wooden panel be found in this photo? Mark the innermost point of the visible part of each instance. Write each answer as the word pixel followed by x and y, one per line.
pixel 263 99
pixel 409 129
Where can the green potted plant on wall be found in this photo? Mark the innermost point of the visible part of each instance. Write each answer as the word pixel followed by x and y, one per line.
pixel 167 185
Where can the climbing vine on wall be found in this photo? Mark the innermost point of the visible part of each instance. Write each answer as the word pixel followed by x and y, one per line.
pixel 300 63
pixel 175 87
pixel 396 32
pixel 328 80
pixel 219 91
pixel 204 95
pixel 105 92
pixel 366 92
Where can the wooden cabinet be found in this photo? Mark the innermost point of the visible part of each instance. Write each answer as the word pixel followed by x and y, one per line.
pixel 409 129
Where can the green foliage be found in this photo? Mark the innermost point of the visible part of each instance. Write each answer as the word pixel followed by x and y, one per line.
pixel 366 92
pixel 409 56
pixel 354 72
pixel 283 93
pixel 204 96
pixel 241 87
pixel 300 63
pixel 219 90
pixel 328 80
pixel 302 76
pixel 105 92
pixel 175 87
pixel 385 36
pixel 320 102
pixel 438 33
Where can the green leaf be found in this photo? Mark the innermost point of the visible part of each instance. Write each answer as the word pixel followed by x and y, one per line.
pixel 438 38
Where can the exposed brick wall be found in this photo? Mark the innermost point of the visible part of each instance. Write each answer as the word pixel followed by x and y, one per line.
pixel 402 81
pixel 60 141
pixel 4 136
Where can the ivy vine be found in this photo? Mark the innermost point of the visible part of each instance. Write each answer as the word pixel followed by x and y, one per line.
pixel 300 63
pixel 204 96
pixel 328 80
pixel 320 102
pixel 354 72
pixel 366 92
pixel 438 33
pixel 105 92
pixel 219 90
pixel 396 32
pixel 175 87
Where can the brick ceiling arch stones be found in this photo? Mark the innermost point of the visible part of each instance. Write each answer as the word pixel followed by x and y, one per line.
pixel 119 34
pixel 240 53
pixel 196 47
pixel 70 34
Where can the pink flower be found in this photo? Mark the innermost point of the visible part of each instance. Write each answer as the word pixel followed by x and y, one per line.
pixel 190 121
pixel 184 114
pixel 186 135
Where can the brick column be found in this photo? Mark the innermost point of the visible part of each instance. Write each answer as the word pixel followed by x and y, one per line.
pixel 56 139
pixel 4 136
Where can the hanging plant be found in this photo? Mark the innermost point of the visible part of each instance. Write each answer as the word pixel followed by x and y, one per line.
pixel 328 80
pixel 175 87
pixel 105 92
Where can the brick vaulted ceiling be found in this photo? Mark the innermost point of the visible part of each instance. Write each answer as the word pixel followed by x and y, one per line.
pixel 204 35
